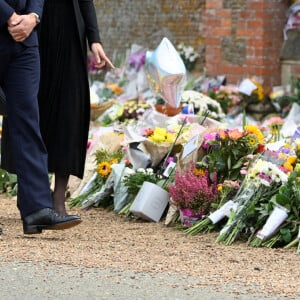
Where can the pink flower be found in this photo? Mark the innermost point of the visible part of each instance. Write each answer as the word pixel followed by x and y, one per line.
pixel 193 191
pixel 243 171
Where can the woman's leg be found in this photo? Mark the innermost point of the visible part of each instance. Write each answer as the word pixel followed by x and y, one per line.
pixel 59 193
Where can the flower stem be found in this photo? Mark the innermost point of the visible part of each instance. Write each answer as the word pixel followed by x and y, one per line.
pixel 293 243
pixel 200 226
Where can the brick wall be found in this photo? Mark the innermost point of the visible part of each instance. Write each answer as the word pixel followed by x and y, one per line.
pixel 242 37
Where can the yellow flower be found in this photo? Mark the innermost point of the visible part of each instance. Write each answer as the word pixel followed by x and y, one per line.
pixel 259 90
pixel 252 129
pixel 114 161
pixel 292 159
pixel 104 169
pixel 161 135
pixel 288 166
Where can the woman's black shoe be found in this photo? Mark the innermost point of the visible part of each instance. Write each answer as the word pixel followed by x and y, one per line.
pixel 48 219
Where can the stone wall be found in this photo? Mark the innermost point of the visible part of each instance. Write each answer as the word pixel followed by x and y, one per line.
pixel 241 38
pixel 145 22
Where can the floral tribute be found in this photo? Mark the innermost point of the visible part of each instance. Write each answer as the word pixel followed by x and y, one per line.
pixel 262 181
pixel 188 55
pixel 193 190
pixel 227 151
pixel 94 191
pixel 133 181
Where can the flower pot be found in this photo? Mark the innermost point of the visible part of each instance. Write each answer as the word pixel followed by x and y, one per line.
pixel 188 217
pixel 150 202
pixel 168 110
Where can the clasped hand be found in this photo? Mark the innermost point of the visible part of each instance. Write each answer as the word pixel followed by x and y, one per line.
pixel 21 26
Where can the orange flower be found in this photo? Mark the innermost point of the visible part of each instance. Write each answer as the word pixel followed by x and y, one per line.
pixel 235 134
pixel 116 89
pixel 222 134
pixel 199 172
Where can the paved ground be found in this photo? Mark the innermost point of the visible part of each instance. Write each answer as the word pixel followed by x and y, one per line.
pixel 43 281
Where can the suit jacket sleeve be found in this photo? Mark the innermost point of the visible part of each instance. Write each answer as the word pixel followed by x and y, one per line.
pixel 89 16
pixel 35 6
pixel 5 12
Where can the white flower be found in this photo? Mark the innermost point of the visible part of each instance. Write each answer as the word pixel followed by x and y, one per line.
pixel 187 53
pixel 129 171
pixel 149 171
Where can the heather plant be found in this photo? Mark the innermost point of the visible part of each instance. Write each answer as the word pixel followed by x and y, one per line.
pixel 193 189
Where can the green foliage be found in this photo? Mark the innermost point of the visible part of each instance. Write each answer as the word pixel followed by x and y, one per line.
pixel 8 183
pixel 103 155
pixel 134 181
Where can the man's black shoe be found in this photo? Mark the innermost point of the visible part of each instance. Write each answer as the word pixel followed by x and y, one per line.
pixel 48 219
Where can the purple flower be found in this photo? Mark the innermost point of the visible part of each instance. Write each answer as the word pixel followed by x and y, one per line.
pixel 137 60
pixel 170 159
pixel 91 64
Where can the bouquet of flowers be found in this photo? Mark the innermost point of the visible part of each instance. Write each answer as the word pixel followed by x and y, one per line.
pixel 133 181
pixel 281 216
pixel 220 208
pixel 227 151
pixel 262 181
pixel 228 97
pixel 98 188
pixel 203 105
pixel 188 55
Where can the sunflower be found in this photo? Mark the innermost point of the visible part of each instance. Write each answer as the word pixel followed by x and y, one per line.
pixel 252 140
pixel 252 129
pixel 104 169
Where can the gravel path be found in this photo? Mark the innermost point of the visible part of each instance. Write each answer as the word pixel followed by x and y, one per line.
pixel 109 257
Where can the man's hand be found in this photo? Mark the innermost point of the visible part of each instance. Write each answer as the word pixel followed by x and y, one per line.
pixel 14 20
pixel 21 27
pixel 100 57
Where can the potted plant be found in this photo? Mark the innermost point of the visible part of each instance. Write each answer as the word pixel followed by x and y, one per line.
pixel 192 192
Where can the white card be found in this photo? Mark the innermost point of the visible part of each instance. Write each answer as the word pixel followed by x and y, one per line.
pixel 190 146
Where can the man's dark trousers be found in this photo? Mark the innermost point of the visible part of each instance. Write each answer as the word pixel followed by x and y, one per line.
pixel 27 157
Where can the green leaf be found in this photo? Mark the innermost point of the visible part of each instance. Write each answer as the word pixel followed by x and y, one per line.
pixel 286 234
pixel 283 200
